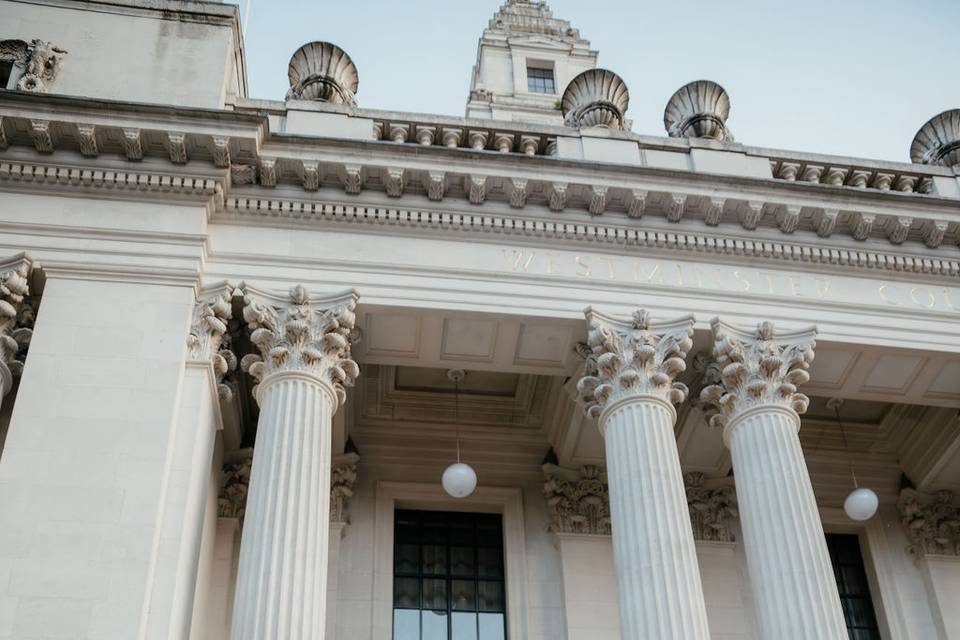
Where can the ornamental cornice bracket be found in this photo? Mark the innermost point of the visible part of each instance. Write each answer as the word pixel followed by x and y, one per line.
pixel 15 316
pixel 931 522
pixel 713 507
pixel 633 357
pixel 757 368
pixel 577 500
pixel 302 332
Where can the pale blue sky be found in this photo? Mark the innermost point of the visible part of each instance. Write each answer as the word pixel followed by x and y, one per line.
pixel 847 77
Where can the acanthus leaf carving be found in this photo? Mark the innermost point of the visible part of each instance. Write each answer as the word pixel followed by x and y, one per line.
pixel 633 358
pixel 578 502
pixel 210 317
pixel 36 64
pixel 299 335
pixel 712 510
pixel 759 368
pixel 16 318
pixel 931 522
pixel 343 475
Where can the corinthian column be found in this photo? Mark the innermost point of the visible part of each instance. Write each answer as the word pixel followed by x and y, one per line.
pixel 305 364
pixel 629 387
pixel 758 408
pixel 13 289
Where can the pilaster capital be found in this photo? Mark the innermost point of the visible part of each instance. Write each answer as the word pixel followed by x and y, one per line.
pixel 343 474
pixel 633 357
pixel 758 368
pixel 298 333
pixel 208 340
pixel 578 501
pixel 931 522
pixel 14 332
pixel 713 508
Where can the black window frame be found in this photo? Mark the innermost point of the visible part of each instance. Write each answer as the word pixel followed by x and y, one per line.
pixel 492 526
pixel 541 80
pixel 849 570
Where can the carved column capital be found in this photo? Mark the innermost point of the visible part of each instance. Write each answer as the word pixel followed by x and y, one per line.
pixel 208 340
pixel 931 522
pixel 633 357
pixel 302 334
pixel 577 501
pixel 14 332
pixel 712 508
pixel 762 368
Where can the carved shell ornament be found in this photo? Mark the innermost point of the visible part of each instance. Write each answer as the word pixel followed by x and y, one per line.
pixel 595 98
pixel 938 140
pixel 323 72
pixel 698 109
pixel 301 337
pixel 638 358
pixel 762 369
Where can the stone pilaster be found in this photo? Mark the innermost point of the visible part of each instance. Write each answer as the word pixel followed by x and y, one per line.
pixel 758 407
pixel 629 387
pixel 14 287
pixel 303 367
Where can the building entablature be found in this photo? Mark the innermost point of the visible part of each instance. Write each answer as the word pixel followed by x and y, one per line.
pixel 690 192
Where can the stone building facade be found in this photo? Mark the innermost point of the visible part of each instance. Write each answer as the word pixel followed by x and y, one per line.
pixel 243 338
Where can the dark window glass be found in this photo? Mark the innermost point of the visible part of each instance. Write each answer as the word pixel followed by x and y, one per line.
pixel 851 578
pixel 540 80
pixel 6 68
pixel 448 576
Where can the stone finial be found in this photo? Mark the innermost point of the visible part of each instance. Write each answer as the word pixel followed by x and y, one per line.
pixel 323 72
pixel 758 368
pixel 14 332
pixel 938 141
pixel 300 334
pixel 633 357
pixel 712 510
pixel 595 98
pixel 932 522
pixel 36 64
pixel 698 109
pixel 578 502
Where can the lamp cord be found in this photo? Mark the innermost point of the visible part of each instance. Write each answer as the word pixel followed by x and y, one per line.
pixel 846 448
pixel 456 414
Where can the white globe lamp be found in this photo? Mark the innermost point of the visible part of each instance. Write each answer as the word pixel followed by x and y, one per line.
pixel 459 480
pixel 861 504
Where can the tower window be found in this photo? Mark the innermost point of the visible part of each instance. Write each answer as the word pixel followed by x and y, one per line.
pixel 448 576
pixel 540 80
pixel 851 578
pixel 6 68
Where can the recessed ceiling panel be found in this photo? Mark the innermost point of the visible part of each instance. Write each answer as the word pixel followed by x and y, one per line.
pixel 947 382
pixel 467 339
pixel 893 373
pixel 831 366
pixel 393 335
pixel 543 345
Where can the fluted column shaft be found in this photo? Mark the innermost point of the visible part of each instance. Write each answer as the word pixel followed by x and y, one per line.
pixel 794 589
pixel 281 583
pixel 658 580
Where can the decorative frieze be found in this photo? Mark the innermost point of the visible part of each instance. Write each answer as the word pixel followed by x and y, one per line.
pixel 934 232
pixel 762 369
pixel 827 222
pixel 637 203
pixel 633 359
pixel 558 196
pixel 311 175
pixel 676 207
pixel 712 510
pixel 788 218
pixel 352 178
pixel 436 185
pixel 299 335
pixel 393 181
pixel 598 200
pixel 751 213
pixel 40 134
pixel 518 193
pixel 861 225
pixel 931 522
pixel 477 188
pixel 268 172
pixel 714 212
pixel 577 502
pixel 898 229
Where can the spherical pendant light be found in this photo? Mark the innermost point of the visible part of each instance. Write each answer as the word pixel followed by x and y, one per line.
pixel 861 504
pixel 459 480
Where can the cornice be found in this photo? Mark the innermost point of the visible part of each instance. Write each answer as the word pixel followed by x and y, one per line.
pixel 263 164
